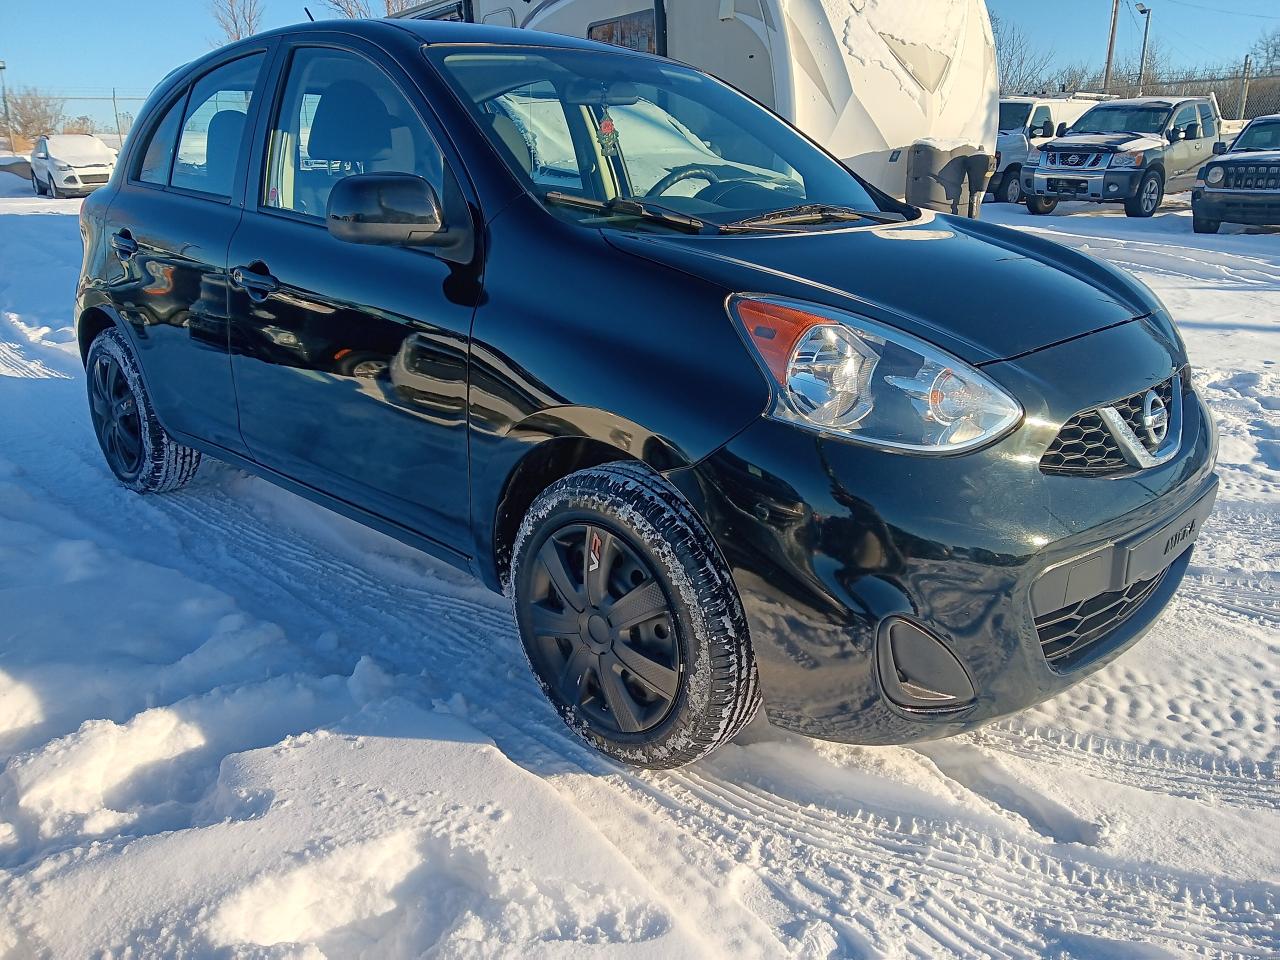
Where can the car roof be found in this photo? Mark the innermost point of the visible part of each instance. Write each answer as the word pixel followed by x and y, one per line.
pixel 441 31
pixel 1152 101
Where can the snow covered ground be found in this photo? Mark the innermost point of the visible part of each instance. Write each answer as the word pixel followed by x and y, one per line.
pixel 236 725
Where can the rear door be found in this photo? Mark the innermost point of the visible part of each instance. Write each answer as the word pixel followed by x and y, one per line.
pixel 350 360
pixel 169 227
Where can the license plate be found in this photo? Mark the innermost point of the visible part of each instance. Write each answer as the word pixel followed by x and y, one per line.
pixel 1069 186
pixel 1156 551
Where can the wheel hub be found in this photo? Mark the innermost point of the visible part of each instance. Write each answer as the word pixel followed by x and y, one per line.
pixel 604 639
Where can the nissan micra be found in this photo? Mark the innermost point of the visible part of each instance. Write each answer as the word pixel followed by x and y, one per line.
pixel 727 424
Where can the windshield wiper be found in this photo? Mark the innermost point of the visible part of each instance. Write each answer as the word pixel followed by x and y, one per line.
pixel 807 213
pixel 626 207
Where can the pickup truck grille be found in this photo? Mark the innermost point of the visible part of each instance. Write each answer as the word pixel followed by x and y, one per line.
pixel 1243 176
pixel 1074 160
pixel 1085 446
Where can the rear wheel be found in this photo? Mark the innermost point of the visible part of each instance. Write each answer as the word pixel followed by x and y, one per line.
pixel 136 447
pixel 1150 195
pixel 1201 225
pixel 1041 205
pixel 630 619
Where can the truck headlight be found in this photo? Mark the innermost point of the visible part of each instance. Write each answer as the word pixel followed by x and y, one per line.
pixel 1215 176
pixel 1134 158
pixel 839 373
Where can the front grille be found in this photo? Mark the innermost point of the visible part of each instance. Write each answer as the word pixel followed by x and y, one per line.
pixel 1075 160
pixel 1242 176
pixel 1067 633
pixel 94 178
pixel 1085 447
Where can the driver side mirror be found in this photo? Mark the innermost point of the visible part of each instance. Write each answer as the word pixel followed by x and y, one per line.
pixel 1044 130
pixel 386 209
pixel 1175 135
pixel 1219 148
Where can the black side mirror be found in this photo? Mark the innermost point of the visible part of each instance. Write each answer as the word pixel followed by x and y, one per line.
pixel 386 209
pixel 1062 129
pixel 1044 130
pixel 1219 148
pixel 1175 135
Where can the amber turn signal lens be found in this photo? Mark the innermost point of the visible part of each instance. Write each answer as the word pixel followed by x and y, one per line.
pixel 775 330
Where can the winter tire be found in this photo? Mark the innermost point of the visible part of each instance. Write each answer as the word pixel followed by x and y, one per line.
pixel 1201 225
pixel 1150 195
pixel 630 619
pixel 137 449
pixel 35 185
pixel 53 189
pixel 1041 205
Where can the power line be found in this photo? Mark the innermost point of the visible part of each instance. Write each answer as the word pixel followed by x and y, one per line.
pixel 1230 13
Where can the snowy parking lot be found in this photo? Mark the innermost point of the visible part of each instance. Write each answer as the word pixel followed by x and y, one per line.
pixel 233 724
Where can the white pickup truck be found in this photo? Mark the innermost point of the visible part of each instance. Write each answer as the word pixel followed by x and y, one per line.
pixel 1026 123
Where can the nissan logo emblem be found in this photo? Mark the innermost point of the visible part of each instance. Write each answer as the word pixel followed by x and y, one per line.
pixel 1155 418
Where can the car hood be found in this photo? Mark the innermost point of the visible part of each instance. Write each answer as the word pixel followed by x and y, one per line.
pixel 1250 157
pixel 86 158
pixel 1105 142
pixel 981 292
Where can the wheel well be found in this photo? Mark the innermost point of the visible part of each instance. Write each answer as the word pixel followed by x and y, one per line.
pixel 92 322
pixel 552 460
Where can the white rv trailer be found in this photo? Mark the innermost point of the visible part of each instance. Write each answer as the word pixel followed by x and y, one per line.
pixel 867 79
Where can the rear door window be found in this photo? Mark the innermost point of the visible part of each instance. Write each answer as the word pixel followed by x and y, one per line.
pixel 1208 123
pixel 214 128
pixel 157 160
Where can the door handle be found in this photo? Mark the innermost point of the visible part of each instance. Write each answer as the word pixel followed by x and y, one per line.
pixel 123 244
pixel 257 283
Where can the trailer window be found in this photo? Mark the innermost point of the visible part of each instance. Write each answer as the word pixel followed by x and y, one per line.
pixel 635 31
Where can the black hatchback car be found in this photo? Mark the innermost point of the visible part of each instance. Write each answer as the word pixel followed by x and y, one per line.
pixel 729 425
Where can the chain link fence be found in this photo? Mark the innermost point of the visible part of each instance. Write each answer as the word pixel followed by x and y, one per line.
pixel 105 113
pixel 1240 97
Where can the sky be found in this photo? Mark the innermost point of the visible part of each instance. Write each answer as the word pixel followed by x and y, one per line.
pixel 89 46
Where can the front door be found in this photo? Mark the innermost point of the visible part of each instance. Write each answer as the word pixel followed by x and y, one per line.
pixel 1181 156
pixel 169 227
pixel 350 361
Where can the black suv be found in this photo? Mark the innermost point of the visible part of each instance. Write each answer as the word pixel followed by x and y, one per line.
pixel 1242 185
pixel 725 422
pixel 1125 151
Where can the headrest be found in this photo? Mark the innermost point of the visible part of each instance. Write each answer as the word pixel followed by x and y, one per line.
pixel 351 123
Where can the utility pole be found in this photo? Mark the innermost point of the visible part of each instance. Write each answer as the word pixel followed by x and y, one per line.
pixel 115 108
pixel 1146 35
pixel 1111 45
pixel 1244 85
pixel 4 95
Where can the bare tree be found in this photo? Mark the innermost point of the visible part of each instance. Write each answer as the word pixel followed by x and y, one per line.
pixel 1023 66
pixel 34 114
pixel 237 19
pixel 1266 53
pixel 81 124
pixel 364 9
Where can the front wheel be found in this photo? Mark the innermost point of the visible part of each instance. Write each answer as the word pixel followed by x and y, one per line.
pixel 53 189
pixel 1041 205
pixel 1148 198
pixel 137 448
pixel 1011 186
pixel 35 185
pixel 1201 225
pixel 630 619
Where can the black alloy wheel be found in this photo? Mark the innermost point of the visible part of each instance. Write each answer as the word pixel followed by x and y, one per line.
pixel 630 617
pixel 116 421
pixel 604 631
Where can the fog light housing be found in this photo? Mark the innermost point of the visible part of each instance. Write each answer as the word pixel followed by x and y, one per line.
pixel 1112 188
pixel 918 671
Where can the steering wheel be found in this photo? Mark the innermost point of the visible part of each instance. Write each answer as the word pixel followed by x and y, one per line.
pixel 690 171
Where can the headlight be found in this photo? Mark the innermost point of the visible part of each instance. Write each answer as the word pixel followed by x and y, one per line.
pixel 59 165
pixel 1215 176
pixel 846 375
pixel 1134 159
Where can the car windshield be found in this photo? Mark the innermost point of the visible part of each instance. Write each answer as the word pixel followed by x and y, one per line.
pixel 1259 135
pixel 610 138
pixel 1014 116
pixel 1123 119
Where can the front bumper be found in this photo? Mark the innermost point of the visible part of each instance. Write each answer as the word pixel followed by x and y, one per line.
pixel 831 541
pixel 1097 186
pixel 1256 207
